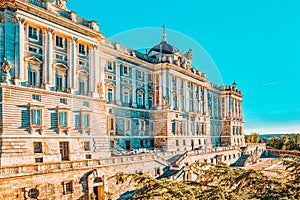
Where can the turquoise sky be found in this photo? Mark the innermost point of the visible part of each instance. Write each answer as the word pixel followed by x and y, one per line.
pixel 256 43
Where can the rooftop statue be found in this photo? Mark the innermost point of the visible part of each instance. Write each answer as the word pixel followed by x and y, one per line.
pixel 62 4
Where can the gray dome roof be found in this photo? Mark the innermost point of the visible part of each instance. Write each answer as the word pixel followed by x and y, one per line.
pixel 165 48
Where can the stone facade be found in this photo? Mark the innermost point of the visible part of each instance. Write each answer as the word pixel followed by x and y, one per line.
pixel 69 95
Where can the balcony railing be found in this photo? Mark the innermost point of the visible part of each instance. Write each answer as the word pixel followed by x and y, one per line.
pixel 35 85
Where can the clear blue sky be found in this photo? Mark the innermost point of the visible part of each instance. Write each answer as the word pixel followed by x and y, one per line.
pixel 254 42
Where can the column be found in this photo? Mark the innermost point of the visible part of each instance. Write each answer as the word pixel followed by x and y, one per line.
pixel 70 66
pixel 205 102
pixel 178 93
pixel 49 57
pixel 45 60
pixel 194 98
pixel 185 94
pixel 20 35
pixel 161 95
pixel 167 85
pixel 118 84
pixel 73 63
pixel 146 90
pixel 96 69
pixel 134 88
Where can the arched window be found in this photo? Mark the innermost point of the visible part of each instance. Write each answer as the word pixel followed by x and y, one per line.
pixel 126 95
pixel 140 98
pixel 110 92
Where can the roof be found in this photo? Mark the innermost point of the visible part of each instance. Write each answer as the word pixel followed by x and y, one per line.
pixel 165 47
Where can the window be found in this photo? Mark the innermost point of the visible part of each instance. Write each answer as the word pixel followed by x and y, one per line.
pixel 110 94
pixel 139 75
pixel 39 160
pixel 36 97
pixel 109 66
pixel 112 124
pixel 32 33
pixel 67 187
pixel 59 41
pixel 81 87
pixel 183 142
pixel 86 104
pixel 125 70
pixel 150 101
pixel 82 63
pixel 36 117
pixel 140 100
pixel 151 126
pixel 37 147
pixel 86 120
pixel 59 57
pixel 77 121
pixel 64 150
pixel 177 143
pixel 81 49
pixel 63 101
pixel 32 49
pixel 88 156
pixel 126 97
pixel 174 103
pixel 59 83
pixel 127 123
pixel 32 77
pixel 63 119
pixel 33 193
pixel 87 146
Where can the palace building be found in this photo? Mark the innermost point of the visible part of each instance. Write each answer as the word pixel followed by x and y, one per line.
pixel 70 94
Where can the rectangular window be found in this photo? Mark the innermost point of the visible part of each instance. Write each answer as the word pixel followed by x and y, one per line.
pixel 110 94
pixel 37 147
pixel 69 187
pixel 125 70
pixel 59 83
pixel 36 97
pixel 32 78
pixel 88 156
pixel 109 66
pixel 87 146
pixel 36 117
pixel 183 142
pixel 81 49
pixel 32 33
pixel 139 74
pixel 59 41
pixel 32 49
pixel 63 101
pixel 142 142
pixel 177 143
pixel 111 124
pixel 86 104
pixel 81 87
pixel 126 97
pixel 59 57
pixel 86 120
pixel 38 160
pixel 63 119
pixel 82 63
pixel 77 121
pixel 64 150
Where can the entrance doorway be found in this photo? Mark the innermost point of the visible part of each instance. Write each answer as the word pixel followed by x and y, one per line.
pixel 99 192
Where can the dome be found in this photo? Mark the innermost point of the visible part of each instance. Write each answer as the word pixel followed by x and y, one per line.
pixel 165 47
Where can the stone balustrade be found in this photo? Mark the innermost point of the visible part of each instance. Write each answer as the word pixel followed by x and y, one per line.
pixel 73 165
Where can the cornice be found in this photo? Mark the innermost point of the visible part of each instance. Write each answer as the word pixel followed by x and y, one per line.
pixel 56 18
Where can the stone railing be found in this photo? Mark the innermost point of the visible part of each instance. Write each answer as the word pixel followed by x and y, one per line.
pixel 75 165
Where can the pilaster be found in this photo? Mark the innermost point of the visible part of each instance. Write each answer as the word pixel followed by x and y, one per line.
pixel 134 88
pixel 146 91
pixel 118 85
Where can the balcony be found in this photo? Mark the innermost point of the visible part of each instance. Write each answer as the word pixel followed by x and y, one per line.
pixel 61 89
pixel 34 85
